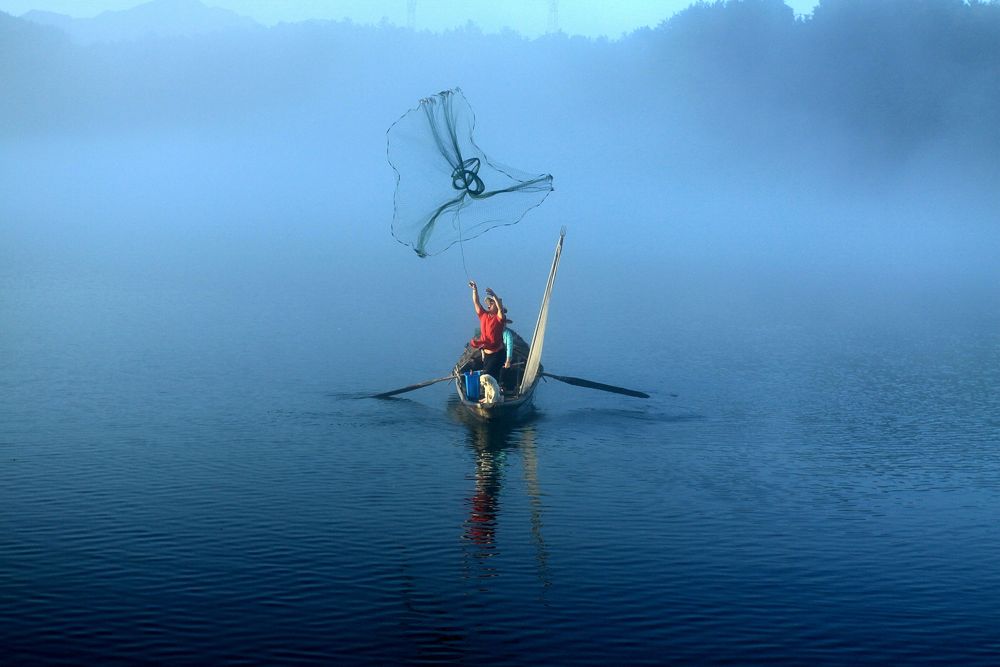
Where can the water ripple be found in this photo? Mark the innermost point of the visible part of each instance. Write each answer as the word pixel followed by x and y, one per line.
pixel 809 504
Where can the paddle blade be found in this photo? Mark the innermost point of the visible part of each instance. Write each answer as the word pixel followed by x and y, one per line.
pixel 600 386
pixel 419 385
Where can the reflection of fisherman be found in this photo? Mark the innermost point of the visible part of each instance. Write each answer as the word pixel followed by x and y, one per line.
pixel 481 524
pixel 491 444
pixel 491 326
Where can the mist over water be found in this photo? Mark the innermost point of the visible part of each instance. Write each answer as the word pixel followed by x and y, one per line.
pixel 790 224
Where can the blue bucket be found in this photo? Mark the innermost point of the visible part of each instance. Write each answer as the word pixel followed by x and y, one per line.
pixel 472 385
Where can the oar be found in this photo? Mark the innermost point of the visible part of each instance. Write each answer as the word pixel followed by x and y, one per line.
pixel 426 383
pixel 580 382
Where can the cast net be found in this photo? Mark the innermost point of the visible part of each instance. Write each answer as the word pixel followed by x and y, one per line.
pixel 447 190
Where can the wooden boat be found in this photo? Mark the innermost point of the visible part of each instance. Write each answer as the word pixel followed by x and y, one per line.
pixel 519 382
pixel 515 403
pixel 522 378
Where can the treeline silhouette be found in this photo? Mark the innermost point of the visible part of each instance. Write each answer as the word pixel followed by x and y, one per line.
pixel 896 72
pixel 892 75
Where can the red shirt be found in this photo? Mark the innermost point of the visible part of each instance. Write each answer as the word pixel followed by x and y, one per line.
pixel 490 332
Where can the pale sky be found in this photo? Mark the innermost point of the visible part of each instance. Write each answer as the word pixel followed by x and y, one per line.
pixel 591 18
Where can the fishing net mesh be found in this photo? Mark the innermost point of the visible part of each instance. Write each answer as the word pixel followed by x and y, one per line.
pixel 447 190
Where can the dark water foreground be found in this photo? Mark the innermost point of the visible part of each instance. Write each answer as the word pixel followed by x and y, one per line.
pixel 171 493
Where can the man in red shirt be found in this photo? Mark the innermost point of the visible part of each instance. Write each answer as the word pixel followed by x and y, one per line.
pixel 491 326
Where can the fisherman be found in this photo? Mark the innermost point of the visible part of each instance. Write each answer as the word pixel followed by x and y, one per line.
pixel 507 376
pixel 491 325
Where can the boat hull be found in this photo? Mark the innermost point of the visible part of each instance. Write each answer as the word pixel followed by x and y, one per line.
pixel 506 410
pixel 513 406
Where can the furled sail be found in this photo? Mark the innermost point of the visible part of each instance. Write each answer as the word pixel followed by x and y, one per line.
pixel 538 338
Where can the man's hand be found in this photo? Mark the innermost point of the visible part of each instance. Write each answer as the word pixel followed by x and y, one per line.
pixel 472 284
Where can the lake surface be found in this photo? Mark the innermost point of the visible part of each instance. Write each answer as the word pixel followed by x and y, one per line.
pixel 186 476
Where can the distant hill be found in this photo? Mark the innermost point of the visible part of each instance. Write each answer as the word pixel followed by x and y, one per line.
pixel 15 31
pixel 881 84
pixel 160 18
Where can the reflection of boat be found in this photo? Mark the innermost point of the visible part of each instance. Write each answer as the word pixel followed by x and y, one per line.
pixel 515 400
pixel 493 442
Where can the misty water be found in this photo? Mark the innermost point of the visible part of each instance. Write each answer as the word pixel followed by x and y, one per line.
pixel 197 283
